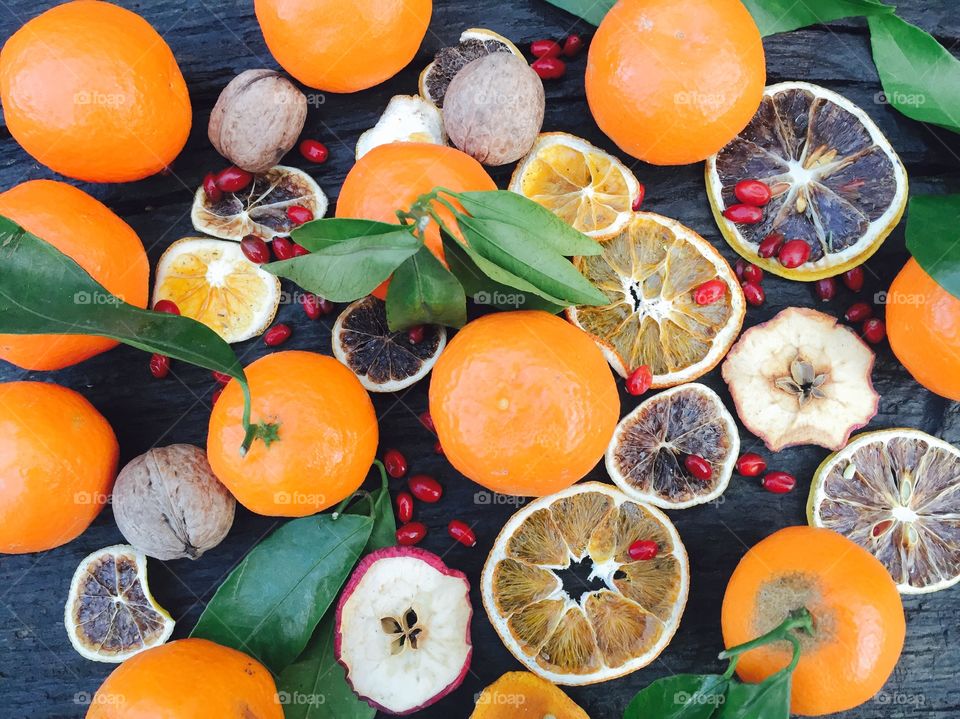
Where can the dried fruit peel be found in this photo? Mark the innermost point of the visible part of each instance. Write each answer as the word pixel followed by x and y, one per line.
pixel 407 118
pixel 474 43
pixel 523 695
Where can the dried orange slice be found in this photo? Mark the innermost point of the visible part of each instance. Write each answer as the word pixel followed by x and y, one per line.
pixel 408 118
pixel 649 272
pixel 584 186
pixel 522 695
pixel 110 613
pixel 475 42
pixel 563 593
pixel 212 282
pixel 260 208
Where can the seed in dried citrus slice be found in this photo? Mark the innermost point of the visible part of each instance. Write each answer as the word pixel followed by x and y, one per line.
pixel 584 186
pixel 584 611
pixel 649 271
pixel 408 118
pixel 384 361
pixel 523 695
pixel 260 208
pixel 474 43
pixel 647 453
pixel 212 282
pixel 894 492
pixel 837 183
pixel 110 614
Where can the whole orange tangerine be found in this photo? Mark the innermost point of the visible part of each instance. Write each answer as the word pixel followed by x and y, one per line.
pixel 523 403
pixel 100 242
pixel 673 82
pixel 326 435
pixel 857 617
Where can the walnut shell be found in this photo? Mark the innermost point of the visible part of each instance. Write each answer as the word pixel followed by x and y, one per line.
pixel 257 119
pixel 493 109
pixel 169 505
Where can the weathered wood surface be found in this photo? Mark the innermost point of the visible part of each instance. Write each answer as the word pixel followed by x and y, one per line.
pixel 41 676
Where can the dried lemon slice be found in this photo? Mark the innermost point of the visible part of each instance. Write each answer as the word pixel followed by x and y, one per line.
pixel 475 42
pixel 581 184
pixel 894 492
pixel 212 282
pixel 408 118
pixel 260 208
pixel 566 598
pixel 649 271
pixel 110 613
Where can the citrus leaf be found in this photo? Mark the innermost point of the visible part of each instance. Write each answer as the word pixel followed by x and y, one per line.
pixel 774 16
pixel 319 234
pixel 423 291
pixel 933 238
pixel 769 699
pixel 682 696
pixel 590 10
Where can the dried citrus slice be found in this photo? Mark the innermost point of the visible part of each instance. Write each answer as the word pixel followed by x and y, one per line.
pixel 581 184
pixel 894 492
pixel 647 454
pixel 475 42
pixel 213 282
pixel 408 118
pixel 649 271
pixel 836 181
pixel 566 598
pixel 110 613
pixel 384 361
pixel 523 695
pixel 260 208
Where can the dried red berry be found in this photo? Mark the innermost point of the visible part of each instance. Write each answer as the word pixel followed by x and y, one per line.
pixel 299 250
pixel 643 549
pixel 793 253
pixel 232 179
pixel 639 380
pixel 825 289
pixel 415 334
pixel 314 151
pixel 545 48
pixel 311 305
pixel 221 378
pixel 752 273
pixel 710 291
pixel 739 267
pixel 778 482
pixel 572 45
pixel 425 488
pixel 751 464
pixel 549 68
pixel 753 293
pixel 698 467
pixel 462 533
pixel 853 279
pixel 858 312
pixel 395 463
pixel 282 248
pixel 770 245
pixel 427 421
pixel 167 307
pixel 437 447
pixel 216 395
pixel 743 214
pixel 277 335
pixel 298 214
pixel 214 194
pixel 404 507
pixel 326 306
pixel 159 366
pixel 411 533
pixel 874 331
pixel 752 192
pixel 255 249
pixel 640 195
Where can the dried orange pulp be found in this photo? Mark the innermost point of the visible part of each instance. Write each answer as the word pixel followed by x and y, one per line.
pixel 392 177
pixel 100 242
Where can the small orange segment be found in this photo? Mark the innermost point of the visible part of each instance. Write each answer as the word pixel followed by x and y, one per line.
pixel 524 695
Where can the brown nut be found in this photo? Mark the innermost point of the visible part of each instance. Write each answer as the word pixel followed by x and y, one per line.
pixel 257 119
pixel 169 505
pixel 493 109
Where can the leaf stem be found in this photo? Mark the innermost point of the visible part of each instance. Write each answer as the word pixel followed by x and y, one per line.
pixel 363 495
pixel 799 619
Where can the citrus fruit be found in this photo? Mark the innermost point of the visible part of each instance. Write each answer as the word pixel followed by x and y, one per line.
pixel 58 460
pixel 343 47
pixel 835 181
pixel 408 118
pixel 581 184
pixel 392 177
pixel 188 679
pixel 323 439
pixel 647 454
pixel 649 271
pixel 567 598
pixel 923 324
pixel 893 492
pixel 92 91
pixel 212 282
pixel 105 246
pixel 382 360
pixel 261 207
pixel 522 695
pixel 110 614
pixel 475 42
pixel 671 83
pixel 523 403
pixel 858 624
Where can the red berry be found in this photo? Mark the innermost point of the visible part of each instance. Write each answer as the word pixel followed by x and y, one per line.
pixel 233 179
pixel 415 334
pixel 425 488
pixel 853 279
pixel 311 305
pixel 641 193
pixel 277 335
pixel 643 549
pixel 710 291
pixel 411 533
pixel 255 249
pixel 395 463
pixel 793 253
pixel 549 68
pixel 326 306
pixel 221 378
pixel 210 189
pixel 874 331
pixel 858 312
pixel 437 447
pixel 743 214
pixel 545 48
pixel 299 250
pixel 753 293
pixel 159 366
pixel 825 289
pixel 216 395
pixel 639 380
pixel 751 464
pixel 572 45
pixel 752 273
pixel 752 192
pixel 739 267
pixel 167 307
pixel 404 507
pixel 462 533
pixel 698 467
pixel 770 245
pixel 282 248
pixel 778 482
pixel 314 151
pixel 298 214
pixel 427 421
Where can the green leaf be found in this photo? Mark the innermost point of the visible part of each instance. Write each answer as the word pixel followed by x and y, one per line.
pixel 590 10
pixel 773 16
pixel 423 291
pixel 379 507
pixel 350 269
pixel 933 238
pixel 769 699
pixel 920 77
pixel 320 234
pixel 271 603
pixel 682 696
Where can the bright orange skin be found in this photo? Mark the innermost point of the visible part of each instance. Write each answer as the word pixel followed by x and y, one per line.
pixel 58 460
pixel 673 82
pixel 858 614
pixel 523 402
pixel 104 245
pixel 923 325
pixel 343 46
pixel 327 438
pixel 391 177
pixel 188 679
pixel 92 91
